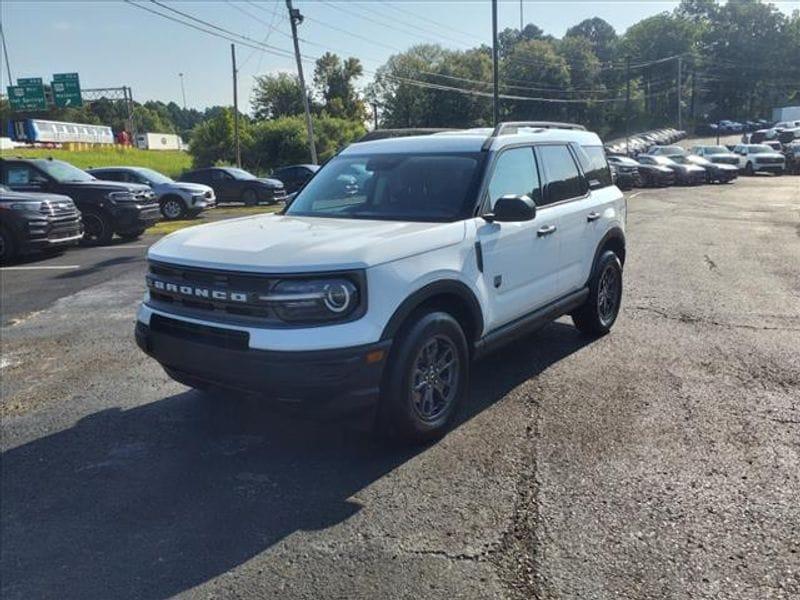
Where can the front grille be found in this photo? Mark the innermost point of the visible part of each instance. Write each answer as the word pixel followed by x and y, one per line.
pixel 201 334
pixel 279 194
pixel 227 282
pixel 769 161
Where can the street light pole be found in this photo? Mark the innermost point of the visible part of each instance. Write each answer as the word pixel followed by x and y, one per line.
pixel 183 91
pixel 295 18
pixel 236 109
pixel 496 75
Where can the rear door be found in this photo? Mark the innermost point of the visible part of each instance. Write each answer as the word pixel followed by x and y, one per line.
pixel 225 186
pixel 520 260
pixel 566 196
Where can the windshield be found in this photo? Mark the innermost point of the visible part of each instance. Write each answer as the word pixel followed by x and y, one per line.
pixel 240 174
pixel 699 160
pixel 717 149
pixel 760 149
pixel 401 187
pixel 63 172
pixel 154 177
pixel 663 160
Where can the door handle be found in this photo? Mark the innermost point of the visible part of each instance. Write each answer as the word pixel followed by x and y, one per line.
pixel 546 230
pixel 593 216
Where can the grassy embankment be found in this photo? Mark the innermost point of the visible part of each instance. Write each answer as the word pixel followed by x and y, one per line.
pixel 169 162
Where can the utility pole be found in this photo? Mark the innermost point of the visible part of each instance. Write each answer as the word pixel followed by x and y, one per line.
pixel 496 80
pixel 520 16
pixel 680 115
pixel 295 18
pixel 236 110
pixel 5 54
pixel 183 91
pixel 128 96
pixel 627 105
pixel 694 93
pixel 375 114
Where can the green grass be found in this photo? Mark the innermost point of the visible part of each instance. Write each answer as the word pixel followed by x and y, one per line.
pixel 170 162
pixel 216 214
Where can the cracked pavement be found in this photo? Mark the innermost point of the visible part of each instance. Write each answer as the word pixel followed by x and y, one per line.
pixel 662 461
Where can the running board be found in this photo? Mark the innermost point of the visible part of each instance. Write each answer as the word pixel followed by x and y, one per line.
pixel 529 323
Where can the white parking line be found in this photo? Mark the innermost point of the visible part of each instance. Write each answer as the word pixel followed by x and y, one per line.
pixel 41 268
pixel 634 195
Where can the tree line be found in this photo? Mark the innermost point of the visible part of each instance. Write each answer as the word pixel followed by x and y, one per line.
pixel 736 60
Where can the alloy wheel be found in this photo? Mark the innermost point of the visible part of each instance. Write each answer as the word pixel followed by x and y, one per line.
pixel 434 378
pixel 172 209
pixel 608 295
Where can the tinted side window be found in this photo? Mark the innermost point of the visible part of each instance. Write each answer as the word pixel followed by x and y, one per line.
pixel 109 176
pixel 593 161
pixel 563 181
pixel 21 174
pixel 515 173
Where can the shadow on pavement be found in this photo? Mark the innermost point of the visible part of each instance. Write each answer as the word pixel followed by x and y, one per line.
pixel 151 501
pixel 99 266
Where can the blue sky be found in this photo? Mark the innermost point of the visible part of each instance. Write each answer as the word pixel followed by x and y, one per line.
pixel 111 43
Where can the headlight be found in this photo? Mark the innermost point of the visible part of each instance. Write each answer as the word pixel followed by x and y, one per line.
pixel 29 206
pixel 314 300
pixel 121 196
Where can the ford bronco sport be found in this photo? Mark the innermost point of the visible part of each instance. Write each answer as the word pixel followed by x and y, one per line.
pixel 399 263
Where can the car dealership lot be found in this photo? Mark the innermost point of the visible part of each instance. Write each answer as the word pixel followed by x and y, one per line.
pixel 660 461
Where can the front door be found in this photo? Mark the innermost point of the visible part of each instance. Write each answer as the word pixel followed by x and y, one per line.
pixel 520 260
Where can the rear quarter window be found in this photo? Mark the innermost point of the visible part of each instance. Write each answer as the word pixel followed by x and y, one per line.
pixel 594 164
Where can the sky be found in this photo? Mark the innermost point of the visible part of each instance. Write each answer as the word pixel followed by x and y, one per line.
pixel 114 43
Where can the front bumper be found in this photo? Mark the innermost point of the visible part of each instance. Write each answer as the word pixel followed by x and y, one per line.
pixel 322 381
pixel 769 168
pixel 135 217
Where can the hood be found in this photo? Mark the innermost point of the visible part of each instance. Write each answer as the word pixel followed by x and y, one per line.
pixel 99 185
pixel 12 196
pixel 285 244
pixel 272 183
pixel 192 188
pixel 724 167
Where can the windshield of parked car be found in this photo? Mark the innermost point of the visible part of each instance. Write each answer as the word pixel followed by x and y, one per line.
pixel 663 160
pixel 63 172
pixel 396 187
pixel 240 174
pixel 716 149
pixel 760 149
pixel 154 177
pixel 699 160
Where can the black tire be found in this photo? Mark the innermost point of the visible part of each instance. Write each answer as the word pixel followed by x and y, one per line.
pixel 748 169
pixel 97 228
pixel 8 246
pixel 132 235
pixel 173 208
pixel 250 197
pixel 417 402
pixel 600 311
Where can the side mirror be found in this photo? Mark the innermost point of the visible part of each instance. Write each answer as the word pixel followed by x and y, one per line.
pixel 512 208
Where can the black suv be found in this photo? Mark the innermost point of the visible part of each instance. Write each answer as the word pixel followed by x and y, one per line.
pixel 237 185
pixel 107 207
pixel 294 177
pixel 30 222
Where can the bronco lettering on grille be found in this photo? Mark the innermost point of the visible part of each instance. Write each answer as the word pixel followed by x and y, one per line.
pixel 197 292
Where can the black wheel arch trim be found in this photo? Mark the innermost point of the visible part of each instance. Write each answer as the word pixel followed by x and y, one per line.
pixel 431 290
pixel 614 233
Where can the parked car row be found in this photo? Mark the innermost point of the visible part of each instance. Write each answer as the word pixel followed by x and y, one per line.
pixel 641 142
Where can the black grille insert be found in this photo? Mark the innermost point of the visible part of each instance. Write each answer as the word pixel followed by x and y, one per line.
pixel 202 334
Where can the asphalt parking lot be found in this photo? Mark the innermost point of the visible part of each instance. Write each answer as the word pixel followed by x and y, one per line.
pixel 662 461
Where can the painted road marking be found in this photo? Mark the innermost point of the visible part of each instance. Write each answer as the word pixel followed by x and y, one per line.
pixel 634 195
pixel 40 268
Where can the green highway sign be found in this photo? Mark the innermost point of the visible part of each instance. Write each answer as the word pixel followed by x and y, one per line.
pixel 27 95
pixel 66 90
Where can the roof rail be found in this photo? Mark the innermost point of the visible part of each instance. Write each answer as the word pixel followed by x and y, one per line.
pixel 382 134
pixel 514 126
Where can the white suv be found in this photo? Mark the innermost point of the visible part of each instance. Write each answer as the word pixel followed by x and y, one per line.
pixel 400 262
pixel 759 157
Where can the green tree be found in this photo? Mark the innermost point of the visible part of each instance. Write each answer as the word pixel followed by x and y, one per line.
pixel 276 96
pixel 535 64
pixel 212 140
pixel 335 79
